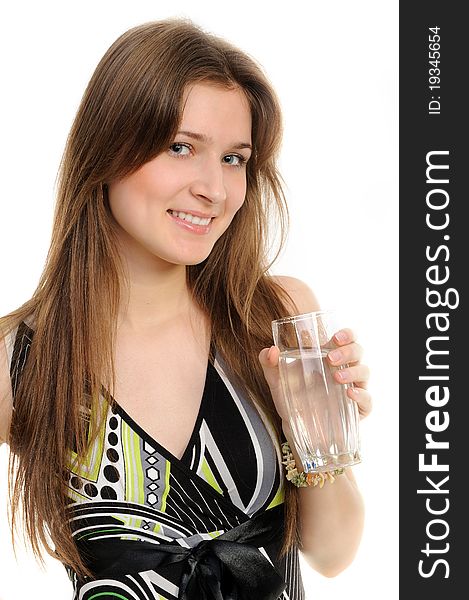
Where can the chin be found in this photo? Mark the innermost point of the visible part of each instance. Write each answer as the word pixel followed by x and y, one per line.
pixel 188 261
pixel 195 261
pixel 190 257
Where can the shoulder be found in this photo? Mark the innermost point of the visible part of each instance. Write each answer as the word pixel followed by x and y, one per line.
pixel 299 292
pixel 6 399
pixel 14 349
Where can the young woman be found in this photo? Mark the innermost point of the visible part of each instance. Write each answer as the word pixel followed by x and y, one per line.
pixel 139 389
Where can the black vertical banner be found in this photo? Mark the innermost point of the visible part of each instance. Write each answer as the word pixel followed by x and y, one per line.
pixel 434 330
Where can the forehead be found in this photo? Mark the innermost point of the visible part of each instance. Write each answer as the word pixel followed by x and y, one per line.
pixel 213 107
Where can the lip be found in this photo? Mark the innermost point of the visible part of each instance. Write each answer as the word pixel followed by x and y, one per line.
pixel 197 229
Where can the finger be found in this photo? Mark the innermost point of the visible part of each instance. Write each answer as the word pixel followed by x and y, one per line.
pixel 343 336
pixel 359 374
pixel 268 357
pixel 346 354
pixel 363 399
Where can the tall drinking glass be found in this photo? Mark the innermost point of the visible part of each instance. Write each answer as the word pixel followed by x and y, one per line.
pixel 323 419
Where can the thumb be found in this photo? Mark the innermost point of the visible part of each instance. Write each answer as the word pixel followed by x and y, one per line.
pixel 268 357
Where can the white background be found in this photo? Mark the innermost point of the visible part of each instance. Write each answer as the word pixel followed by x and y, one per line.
pixel 334 66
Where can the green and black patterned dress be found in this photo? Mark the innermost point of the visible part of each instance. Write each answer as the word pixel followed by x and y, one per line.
pixel 132 490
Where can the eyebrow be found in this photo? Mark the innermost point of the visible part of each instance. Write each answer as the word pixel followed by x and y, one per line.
pixel 208 140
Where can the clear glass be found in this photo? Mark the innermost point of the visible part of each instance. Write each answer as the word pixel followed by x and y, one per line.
pixel 324 421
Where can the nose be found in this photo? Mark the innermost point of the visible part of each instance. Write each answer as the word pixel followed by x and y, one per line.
pixel 209 182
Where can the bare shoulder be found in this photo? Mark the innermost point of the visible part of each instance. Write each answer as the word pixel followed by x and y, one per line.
pixel 299 291
pixel 6 399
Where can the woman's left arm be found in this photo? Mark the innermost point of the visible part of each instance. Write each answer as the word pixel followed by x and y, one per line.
pixel 331 518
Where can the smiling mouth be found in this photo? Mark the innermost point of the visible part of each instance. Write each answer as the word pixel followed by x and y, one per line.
pixel 190 218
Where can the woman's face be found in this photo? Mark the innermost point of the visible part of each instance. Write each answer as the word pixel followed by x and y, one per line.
pixel 203 177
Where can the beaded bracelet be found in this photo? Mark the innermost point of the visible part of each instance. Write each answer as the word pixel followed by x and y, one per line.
pixel 305 479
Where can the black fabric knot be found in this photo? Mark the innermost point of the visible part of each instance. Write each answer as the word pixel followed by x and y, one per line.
pixel 202 575
pixel 229 567
pixel 223 570
pixel 200 551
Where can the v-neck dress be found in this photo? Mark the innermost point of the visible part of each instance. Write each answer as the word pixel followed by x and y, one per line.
pixel 132 488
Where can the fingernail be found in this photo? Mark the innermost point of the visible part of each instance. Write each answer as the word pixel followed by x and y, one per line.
pixel 341 336
pixel 269 353
pixel 335 355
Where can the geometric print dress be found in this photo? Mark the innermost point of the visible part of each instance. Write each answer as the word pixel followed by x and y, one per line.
pixel 132 488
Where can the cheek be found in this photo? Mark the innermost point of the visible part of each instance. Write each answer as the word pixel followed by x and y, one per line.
pixel 233 205
pixel 237 194
pixel 133 198
pixel 128 206
pixel 239 197
pixel 121 203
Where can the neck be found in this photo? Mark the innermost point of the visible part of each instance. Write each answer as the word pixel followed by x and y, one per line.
pixel 154 300
pixel 157 293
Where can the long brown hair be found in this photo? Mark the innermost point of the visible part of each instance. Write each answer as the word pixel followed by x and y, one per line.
pixel 128 115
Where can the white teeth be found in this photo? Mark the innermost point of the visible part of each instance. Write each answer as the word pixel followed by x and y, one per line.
pixel 191 218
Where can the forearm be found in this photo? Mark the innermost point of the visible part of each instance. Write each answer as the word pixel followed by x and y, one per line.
pixel 331 521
